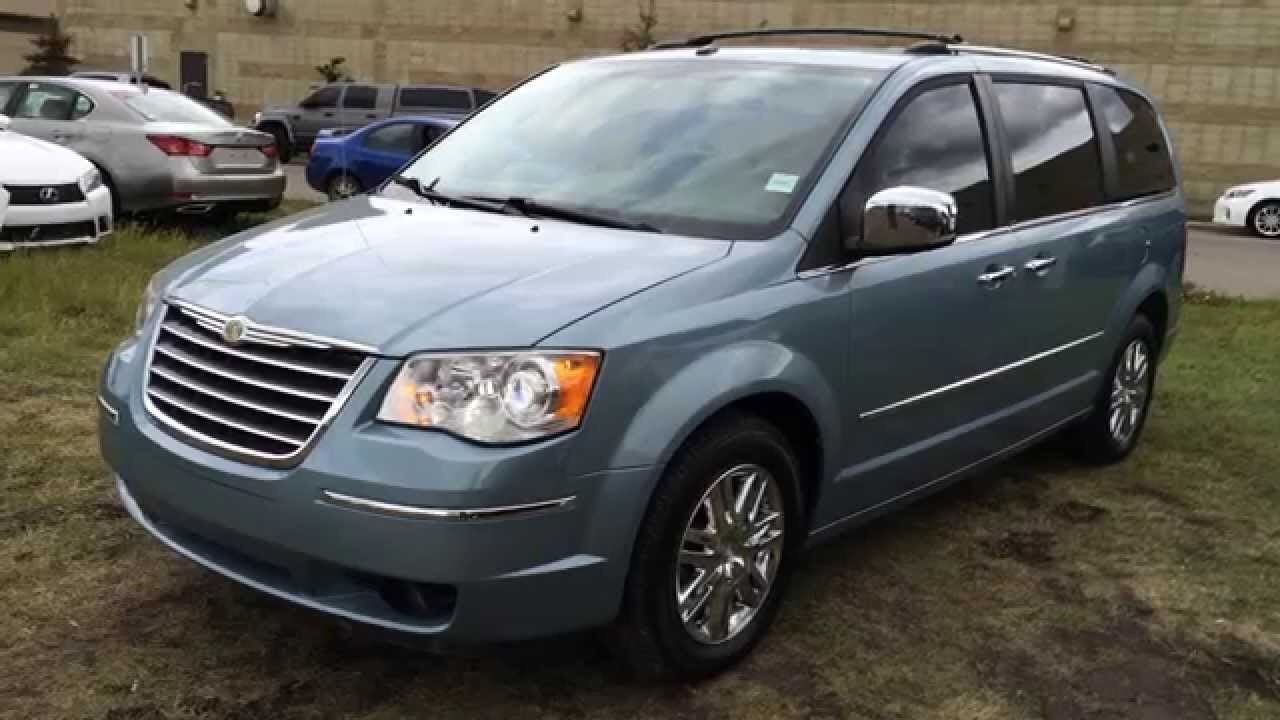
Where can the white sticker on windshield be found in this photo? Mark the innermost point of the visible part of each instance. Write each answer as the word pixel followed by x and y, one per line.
pixel 782 183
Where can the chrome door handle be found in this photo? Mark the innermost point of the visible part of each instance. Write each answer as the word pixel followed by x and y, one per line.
pixel 1040 264
pixel 996 277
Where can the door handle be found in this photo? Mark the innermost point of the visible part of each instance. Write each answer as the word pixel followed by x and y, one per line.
pixel 1040 266
pixel 328 114
pixel 371 116
pixel 995 278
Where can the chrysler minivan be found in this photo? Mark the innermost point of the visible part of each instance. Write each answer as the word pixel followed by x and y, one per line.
pixel 620 346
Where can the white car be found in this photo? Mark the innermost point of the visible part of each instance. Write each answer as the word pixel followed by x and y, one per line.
pixel 1255 206
pixel 55 196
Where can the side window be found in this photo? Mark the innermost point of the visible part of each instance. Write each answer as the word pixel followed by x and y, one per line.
pixel 360 97
pixel 325 97
pixel 1056 163
pixel 400 138
pixel 6 93
pixel 82 107
pixel 46 102
pixel 1143 163
pixel 442 98
pixel 484 97
pixel 935 142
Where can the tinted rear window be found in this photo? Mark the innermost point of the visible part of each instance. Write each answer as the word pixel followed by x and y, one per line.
pixel 166 106
pixel 1143 163
pixel 436 98
pixel 1056 161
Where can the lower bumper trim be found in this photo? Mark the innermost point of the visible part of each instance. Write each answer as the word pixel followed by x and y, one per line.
pixel 433 513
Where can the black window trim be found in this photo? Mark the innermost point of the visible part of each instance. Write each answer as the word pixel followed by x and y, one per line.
pixel 811 261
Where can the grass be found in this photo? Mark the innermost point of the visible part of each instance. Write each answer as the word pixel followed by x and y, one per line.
pixel 1041 589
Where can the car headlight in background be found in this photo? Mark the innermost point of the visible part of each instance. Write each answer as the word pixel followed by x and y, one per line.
pixel 502 397
pixel 1239 193
pixel 91 180
pixel 146 308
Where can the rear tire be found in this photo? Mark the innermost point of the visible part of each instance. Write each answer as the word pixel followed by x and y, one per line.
pixel 1264 220
pixel 342 186
pixel 1123 403
pixel 699 598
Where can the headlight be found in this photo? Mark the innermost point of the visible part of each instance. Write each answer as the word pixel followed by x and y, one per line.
pixel 146 308
pixel 91 180
pixel 1240 193
pixel 504 397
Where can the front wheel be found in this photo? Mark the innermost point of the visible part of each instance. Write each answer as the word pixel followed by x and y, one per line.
pixel 713 556
pixel 1264 220
pixel 1120 411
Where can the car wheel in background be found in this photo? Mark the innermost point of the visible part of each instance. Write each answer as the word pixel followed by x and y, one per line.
pixel 1120 411
pixel 343 186
pixel 713 555
pixel 1264 219
pixel 284 148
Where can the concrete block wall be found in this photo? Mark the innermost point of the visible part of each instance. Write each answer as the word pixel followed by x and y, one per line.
pixel 1213 64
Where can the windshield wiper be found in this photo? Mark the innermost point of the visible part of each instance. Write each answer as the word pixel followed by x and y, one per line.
pixel 429 192
pixel 535 208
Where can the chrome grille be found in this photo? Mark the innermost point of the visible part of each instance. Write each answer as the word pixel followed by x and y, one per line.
pixel 264 398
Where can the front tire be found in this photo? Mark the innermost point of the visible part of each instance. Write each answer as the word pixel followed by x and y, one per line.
pixel 714 553
pixel 1123 403
pixel 1264 220
pixel 284 147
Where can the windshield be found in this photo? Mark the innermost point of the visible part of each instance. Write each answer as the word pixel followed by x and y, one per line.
pixel 718 149
pixel 166 106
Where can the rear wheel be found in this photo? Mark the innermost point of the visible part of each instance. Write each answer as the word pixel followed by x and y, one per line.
pixel 343 186
pixel 1119 415
pixel 713 556
pixel 1264 219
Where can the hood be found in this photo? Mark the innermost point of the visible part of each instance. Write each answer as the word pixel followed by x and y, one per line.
pixel 404 277
pixel 28 161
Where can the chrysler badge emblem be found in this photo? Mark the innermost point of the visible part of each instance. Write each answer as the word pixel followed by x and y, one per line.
pixel 49 195
pixel 233 331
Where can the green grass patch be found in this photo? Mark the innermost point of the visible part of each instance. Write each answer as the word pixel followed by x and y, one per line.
pixel 1040 589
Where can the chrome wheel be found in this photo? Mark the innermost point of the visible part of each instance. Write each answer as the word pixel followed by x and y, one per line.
pixel 730 554
pixel 1267 220
pixel 343 186
pixel 1129 391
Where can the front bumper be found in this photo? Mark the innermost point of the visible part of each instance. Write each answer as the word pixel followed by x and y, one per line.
pixel 1233 212
pixel 75 223
pixel 507 546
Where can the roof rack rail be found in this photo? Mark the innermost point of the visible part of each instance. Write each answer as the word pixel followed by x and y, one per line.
pixel 702 40
pixel 1008 52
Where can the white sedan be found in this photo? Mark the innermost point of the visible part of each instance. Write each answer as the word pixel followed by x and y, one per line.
pixel 55 196
pixel 1255 206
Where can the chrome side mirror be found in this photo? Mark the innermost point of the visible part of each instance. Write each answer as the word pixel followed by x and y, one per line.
pixel 906 219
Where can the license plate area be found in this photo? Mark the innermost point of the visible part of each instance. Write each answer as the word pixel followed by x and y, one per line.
pixel 225 157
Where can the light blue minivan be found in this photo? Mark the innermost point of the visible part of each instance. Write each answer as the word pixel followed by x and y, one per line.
pixel 620 346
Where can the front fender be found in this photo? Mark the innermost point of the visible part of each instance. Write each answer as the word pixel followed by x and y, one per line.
pixel 715 381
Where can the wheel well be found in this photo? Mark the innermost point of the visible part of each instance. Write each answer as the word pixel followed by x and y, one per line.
pixel 1264 201
pixel 792 418
pixel 1156 309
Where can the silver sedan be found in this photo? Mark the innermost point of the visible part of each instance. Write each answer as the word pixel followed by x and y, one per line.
pixel 156 149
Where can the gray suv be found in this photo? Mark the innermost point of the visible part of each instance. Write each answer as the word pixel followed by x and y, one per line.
pixel 604 356
pixel 354 105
